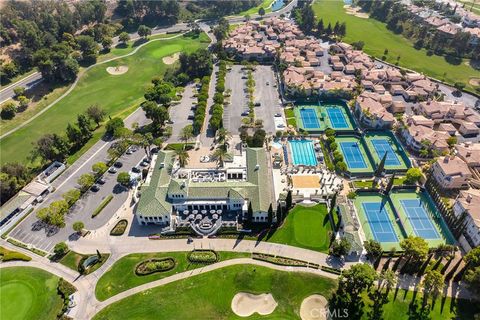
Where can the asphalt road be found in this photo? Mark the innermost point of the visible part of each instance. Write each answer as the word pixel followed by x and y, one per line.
pixel 179 113
pixel 84 208
pixel 232 114
pixel 268 96
pixel 27 82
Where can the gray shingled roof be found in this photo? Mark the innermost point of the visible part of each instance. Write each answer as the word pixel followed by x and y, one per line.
pixel 256 189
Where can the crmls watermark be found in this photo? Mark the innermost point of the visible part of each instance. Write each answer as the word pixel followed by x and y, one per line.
pixel 325 313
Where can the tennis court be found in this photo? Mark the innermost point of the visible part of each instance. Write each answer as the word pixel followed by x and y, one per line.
pixel 337 118
pixel 309 118
pixel 419 219
pixel 382 146
pixel 353 155
pixel 379 221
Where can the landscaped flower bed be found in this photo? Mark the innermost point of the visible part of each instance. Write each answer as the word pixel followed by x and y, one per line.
pixel 119 228
pixel 203 256
pixel 283 261
pixel 154 265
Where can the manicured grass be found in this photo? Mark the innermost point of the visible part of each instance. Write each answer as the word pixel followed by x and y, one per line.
pixel 121 276
pixel 71 260
pixel 209 295
pixel 112 93
pixel 377 38
pixel 28 293
pixel 265 5
pixel 305 227
pixel 398 308
pixel 9 255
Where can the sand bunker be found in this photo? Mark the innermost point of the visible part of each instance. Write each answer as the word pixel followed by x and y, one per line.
pixel 171 59
pixel 355 11
pixel 117 70
pixel 245 304
pixel 474 81
pixel 314 307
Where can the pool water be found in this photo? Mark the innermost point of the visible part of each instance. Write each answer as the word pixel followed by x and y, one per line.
pixel 277 5
pixel 303 153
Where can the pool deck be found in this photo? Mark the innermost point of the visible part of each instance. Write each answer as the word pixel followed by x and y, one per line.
pixel 399 152
pixel 369 168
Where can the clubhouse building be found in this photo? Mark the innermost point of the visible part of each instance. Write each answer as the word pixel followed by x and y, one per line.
pixel 206 198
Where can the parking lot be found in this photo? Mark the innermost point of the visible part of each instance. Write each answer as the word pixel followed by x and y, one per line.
pixel 266 92
pixel 179 113
pixel 232 114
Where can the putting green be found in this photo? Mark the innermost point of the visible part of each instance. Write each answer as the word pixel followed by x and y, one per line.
pixel 28 293
pixel 305 227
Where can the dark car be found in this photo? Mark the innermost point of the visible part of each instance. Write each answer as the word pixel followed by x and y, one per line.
pixel 95 188
pixel 136 170
pixel 101 181
pixel 118 164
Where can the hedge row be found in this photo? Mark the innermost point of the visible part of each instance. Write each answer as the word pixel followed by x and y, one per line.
pixel 201 105
pixel 283 261
pixel 24 246
pixel 216 121
pixel 102 205
pixel 331 270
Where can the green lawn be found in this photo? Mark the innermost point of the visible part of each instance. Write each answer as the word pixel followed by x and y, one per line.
pixel 209 295
pixel 377 38
pixel 71 260
pixel 305 227
pixel 112 93
pixel 28 293
pixel 398 308
pixel 265 5
pixel 121 276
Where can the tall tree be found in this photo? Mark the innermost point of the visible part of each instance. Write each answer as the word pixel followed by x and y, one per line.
pixel 96 114
pixel 288 199
pixel 144 31
pixel 183 157
pixel 432 284
pixel 270 215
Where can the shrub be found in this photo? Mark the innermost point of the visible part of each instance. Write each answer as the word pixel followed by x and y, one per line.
pixel 150 266
pixel 8 255
pixel 203 256
pixel 102 205
pixel 119 228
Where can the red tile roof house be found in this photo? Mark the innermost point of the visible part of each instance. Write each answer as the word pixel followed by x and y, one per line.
pixel 451 173
pixel 447 127
pixel 398 107
pixel 468 129
pixel 469 201
pixel 440 111
pixel 420 120
pixel 470 153
pixel 372 113
pixel 448 29
pixel 414 135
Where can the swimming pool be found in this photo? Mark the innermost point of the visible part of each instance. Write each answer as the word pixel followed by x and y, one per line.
pixel 303 153
pixel 277 5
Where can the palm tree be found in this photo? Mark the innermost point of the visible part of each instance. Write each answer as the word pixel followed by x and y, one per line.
pixel 183 157
pixel 388 279
pixel 144 140
pixel 186 134
pixel 223 135
pixel 219 155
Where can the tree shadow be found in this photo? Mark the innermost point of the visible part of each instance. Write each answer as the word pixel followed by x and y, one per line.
pixel 238 240
pixel 121 45
pixel 139 41
pixel 453 60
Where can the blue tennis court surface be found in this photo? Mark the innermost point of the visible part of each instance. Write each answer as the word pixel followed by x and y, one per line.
pixel 353 155
pixel 379 221
pixel 309 119
pixel 382 146
pixel 419 219
pixel 337 118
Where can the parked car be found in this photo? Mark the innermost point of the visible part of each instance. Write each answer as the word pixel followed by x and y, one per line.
pixel 191 117
pixel 147 160
pixel 112 170
pixel 95 188
pixel 118 164
pixel 257 104
pixel 245 113
pixel 129 151
pixel 169 121
pixel 278 115
pixel 281 125
pixel 144 164
pixel 136 170
pixel 101 180
pixel 268 83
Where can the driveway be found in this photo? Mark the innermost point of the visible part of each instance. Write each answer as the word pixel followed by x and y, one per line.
pixel 232 114
pixel 268 96
pixel 179 113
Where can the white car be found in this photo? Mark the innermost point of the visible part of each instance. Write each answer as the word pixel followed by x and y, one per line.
pixel 278 115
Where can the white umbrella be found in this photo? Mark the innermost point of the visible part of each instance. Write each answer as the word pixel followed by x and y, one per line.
pixel 212 211
pixel 204 211
pixel 219 211
pixel 186 212
pixel 199 216
pixel 195 211
pixel 215 216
